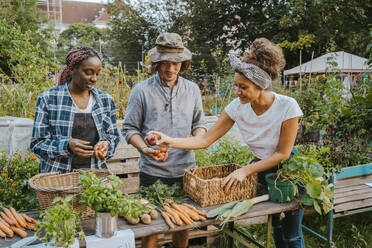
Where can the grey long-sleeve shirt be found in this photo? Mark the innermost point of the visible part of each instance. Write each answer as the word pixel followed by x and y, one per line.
pixel 176 113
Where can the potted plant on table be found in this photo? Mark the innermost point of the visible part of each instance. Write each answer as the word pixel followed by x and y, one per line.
pixel 104 197
pixel 60 224
pixel 302 172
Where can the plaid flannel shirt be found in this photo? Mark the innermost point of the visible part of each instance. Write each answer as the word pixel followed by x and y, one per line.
pixel 54 119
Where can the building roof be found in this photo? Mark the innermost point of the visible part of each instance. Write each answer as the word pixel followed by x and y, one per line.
pixel 346 62
pixel 102 18
pixel 74 11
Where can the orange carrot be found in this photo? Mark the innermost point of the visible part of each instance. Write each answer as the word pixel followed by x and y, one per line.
pixel 185 218
pixel 167 220
pixel 171 218
pixel 7 230
pixel 170 211
pixel 7 219
pixel 18 225
pixel 33 221
pixel 176 207
pixel 22 217
pixel 200 212
pixel 202 218
pixel 20 232
pixel 2 234
pixel 193 215
pixel 30 226
pixel 18 217
pixel 4 222
pixel 10 216
pixel 26 218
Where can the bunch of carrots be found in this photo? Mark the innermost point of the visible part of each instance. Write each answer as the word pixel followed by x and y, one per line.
pixel 12 222
pixel 181 213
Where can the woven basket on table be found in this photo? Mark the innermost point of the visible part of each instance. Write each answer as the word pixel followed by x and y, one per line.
pixel 204 185
pixel 50 185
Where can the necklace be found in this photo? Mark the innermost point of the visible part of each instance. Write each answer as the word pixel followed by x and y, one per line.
pixel 171 97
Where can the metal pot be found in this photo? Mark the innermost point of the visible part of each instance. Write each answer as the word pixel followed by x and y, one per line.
pixel 106 225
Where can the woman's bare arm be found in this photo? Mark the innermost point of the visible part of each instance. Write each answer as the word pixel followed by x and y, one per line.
pixel 220 128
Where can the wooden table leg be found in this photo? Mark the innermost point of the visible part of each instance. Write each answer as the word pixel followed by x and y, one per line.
pixel 150 241
pixel 181 238
pixel 269 230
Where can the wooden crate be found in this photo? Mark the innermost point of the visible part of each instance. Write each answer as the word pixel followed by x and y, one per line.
pixel 124 164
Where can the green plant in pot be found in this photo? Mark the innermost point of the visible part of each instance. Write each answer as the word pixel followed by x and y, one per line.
pixel 60 224
pixel 104 197
pixel 304 171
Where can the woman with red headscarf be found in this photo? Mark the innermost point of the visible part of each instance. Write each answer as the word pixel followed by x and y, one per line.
pixel 73 118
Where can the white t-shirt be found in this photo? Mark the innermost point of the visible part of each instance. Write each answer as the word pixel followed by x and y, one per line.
pixel 89 107
pixel 262 132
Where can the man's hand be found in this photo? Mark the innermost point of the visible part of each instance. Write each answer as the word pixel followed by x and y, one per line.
pixel 148 151
pixel 80 147
pixel 101 149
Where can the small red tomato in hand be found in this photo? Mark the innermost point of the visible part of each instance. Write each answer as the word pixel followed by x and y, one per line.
pixel 98 152
pixel 151 139
pixel 156 152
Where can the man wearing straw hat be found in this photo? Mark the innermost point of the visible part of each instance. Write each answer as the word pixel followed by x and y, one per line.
pixel 168 103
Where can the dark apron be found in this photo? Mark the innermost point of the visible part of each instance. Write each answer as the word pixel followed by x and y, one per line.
pixel 84 129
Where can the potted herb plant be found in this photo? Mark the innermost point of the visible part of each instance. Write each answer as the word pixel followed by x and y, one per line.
pixel 60 223
pixel 104 197
pixel 302 171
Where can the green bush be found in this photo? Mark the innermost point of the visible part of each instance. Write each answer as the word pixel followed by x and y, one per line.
pixel 23 71
pixel 226 151
pixel 15 171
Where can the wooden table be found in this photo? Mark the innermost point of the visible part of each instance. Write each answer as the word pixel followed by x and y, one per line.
pixel 254 216
pixel 351 196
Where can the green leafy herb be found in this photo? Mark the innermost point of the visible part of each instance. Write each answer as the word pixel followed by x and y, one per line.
pixel 159 192
pixel 102 195
pixel 308 173
pixel 60 222
pixel 133 207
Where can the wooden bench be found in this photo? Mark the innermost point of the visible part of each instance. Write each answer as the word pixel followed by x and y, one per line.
pixel 352 196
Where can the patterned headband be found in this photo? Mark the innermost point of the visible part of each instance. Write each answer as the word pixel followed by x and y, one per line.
pixel 254 73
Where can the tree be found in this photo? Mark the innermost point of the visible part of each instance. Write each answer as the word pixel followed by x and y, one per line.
pixel 342 24
pixel 79 34
pixel 235 23
pixel 135 25
pixel 23 13
pixel 25 17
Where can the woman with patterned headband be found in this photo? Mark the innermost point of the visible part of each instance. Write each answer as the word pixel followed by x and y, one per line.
pixel 73 118
pixel 267 121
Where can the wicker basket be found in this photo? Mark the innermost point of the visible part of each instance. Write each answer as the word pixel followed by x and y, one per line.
pixel 203 185
pixel 50 185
